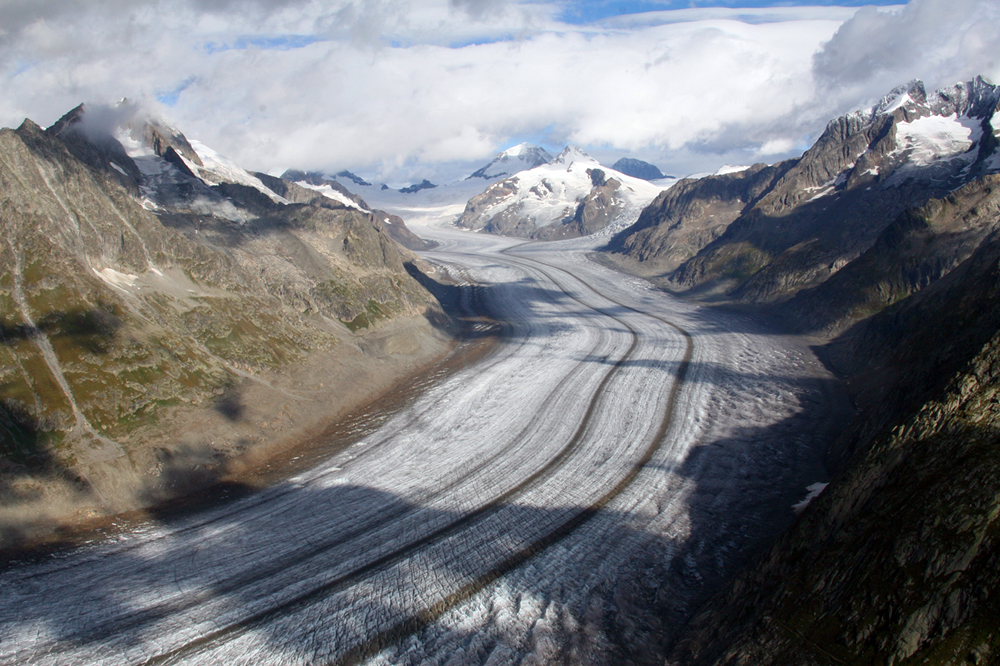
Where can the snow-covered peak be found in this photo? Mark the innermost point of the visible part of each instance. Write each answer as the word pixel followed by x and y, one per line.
pixel 517 158
pixel 550 194
pixel 571 154
pixel 521 150
pixel 912 93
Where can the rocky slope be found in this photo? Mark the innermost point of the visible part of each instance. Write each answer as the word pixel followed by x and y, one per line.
pixel 146 284
pixel 315 189
pixel 765 234
pixel 571 196
pixel 898 560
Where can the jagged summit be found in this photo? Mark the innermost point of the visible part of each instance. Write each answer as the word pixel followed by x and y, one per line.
pixel 354 178
pixel 571 154
pixel 517 158
pixel 416 187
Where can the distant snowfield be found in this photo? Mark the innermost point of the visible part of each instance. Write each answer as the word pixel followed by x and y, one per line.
pixel 567 499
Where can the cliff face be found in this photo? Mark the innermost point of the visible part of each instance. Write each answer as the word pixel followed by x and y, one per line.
pixel 129 289
pixel 883 239
pixel 683 220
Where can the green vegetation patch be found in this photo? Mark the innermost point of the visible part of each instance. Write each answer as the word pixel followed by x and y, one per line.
pixel 372 313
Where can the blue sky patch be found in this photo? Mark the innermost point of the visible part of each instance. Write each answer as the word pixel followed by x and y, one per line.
pixel 264 42
pixel 588 11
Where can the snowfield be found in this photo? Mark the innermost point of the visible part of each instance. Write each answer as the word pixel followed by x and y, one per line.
pixel 568 499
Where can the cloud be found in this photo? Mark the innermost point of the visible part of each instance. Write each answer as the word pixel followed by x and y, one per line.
pixel 383 85
pixel 479 9
pixel 938 41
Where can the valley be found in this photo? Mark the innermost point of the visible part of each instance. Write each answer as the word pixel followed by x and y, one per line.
pixel 549 412
pixel 571 497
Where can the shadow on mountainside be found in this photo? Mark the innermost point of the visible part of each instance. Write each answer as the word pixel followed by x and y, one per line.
pixel 28 457
pixel 90 329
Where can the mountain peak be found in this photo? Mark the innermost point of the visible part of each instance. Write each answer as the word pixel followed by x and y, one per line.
pixel 637 169
pixel 521 157
pixel 571 154
pixel 901 95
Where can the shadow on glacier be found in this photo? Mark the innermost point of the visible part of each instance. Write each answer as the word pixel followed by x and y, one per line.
pixel 468 306
pixel 283 563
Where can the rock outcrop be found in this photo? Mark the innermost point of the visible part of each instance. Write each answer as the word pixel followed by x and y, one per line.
pixel 638 169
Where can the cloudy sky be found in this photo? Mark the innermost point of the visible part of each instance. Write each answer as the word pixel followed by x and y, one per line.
pixel 399 90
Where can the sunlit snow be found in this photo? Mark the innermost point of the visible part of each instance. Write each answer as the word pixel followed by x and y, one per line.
pixel 332 194
pixel 932 138
pixel 550 193
pixel 218 168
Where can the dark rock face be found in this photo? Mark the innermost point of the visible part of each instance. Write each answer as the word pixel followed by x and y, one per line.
pixel 422 185
pixel 823 210
pixel 637 169
pixel 898 560
pixel 683 220
pixel 357 180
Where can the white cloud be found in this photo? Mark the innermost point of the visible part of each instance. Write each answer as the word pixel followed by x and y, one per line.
pixel 938 41
pixel 381 85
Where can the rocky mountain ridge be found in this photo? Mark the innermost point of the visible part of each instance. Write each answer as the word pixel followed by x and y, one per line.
pixel 767 233
pixel 148 287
